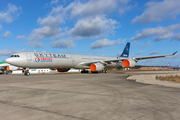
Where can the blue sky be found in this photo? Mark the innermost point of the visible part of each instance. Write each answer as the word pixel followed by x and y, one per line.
pixel 94 27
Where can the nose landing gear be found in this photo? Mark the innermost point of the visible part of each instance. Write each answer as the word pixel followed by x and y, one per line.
pixel 26 72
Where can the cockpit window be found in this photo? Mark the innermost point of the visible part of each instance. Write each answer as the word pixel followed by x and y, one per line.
pixel 15 56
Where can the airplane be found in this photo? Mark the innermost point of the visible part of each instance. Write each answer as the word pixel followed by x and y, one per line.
pixel 174 67
pixel 7 68
pixel 64 62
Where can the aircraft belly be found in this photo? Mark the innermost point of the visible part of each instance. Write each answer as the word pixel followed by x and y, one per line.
pixel 81 67
pixel 113 65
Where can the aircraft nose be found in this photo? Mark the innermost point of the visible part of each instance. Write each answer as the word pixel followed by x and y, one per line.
pixel 7 60
pixel 10 61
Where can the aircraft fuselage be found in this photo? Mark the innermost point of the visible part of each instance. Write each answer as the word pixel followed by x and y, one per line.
pixel 56 60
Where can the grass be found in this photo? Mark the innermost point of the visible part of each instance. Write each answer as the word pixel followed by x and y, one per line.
pixel 134 80
pixel 131 79
pixel 172 78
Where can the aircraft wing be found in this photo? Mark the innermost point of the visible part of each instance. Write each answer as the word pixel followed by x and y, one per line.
pixel 149 57
pixel 3 65
pixel 105 62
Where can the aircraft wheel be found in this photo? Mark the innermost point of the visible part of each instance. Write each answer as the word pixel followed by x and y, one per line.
pixel 10 72
pixel 84 71
pixel 94 72
pixel 26 73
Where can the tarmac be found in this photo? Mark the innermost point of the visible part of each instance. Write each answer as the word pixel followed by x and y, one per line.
pixel 75 96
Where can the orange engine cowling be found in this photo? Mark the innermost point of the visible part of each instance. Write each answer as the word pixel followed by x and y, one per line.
pixel 129 63
pixel 62 69
pixel 8 68
pixel 96 67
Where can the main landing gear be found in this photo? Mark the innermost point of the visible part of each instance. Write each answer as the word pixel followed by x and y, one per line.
pixel 26 72
pixel 103 71
pixel 84 71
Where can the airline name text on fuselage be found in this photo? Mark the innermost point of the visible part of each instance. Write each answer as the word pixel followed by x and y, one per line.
pixel 49 55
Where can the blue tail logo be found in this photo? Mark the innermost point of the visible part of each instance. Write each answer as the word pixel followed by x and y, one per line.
pixel 125 52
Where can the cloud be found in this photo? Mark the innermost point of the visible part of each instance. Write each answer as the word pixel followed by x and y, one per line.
pixel 36 44
pixel 7 34
pixel 8 52
pixel 93 26
pixel 0 27
pixel 124 8
pixel 155 52
pixel 44 32
pixel 20 37
pixel 176 56
pixel 54 2
pixel 10 14
pixel 176 37
pixel 50 28
pixel 57 10
pixel 160 32
pixel 67 43
pixel 147 44
pixel 50 20
pixel 105 43
pixel 140 52
pixel 89 19
pixel 159 11
pixel 95 7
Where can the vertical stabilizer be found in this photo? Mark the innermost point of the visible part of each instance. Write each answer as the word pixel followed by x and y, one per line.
pixel 125 52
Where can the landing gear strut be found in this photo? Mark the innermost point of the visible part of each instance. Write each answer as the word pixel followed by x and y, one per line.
pixel 26 72
pixel 84 71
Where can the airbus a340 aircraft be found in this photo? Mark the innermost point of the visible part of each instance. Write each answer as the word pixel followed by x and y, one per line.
pixel 63 62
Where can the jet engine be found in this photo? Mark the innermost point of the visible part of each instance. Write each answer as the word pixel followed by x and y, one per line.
pixel 62 69
pixel 96 67
pixel 129 63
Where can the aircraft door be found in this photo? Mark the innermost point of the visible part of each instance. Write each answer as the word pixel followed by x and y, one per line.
pixel 72 58
pixel 29 57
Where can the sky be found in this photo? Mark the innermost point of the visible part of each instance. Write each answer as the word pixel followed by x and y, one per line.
pixel 92 27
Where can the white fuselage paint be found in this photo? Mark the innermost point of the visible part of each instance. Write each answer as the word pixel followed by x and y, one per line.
pixel 57 60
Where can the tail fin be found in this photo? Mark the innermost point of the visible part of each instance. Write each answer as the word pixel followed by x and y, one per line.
pixel 125 52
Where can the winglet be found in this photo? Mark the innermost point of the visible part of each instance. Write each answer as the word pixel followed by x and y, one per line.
pixel 174 53
pixel 125 52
